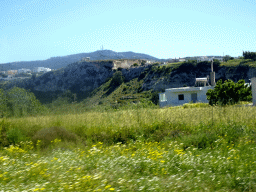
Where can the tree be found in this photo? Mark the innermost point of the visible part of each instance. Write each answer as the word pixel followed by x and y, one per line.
pixel 117 79
pixel 3 104
pixel 21 102
pixel 229 92
pixel 226 58
pixel 143 62
pixel 249 55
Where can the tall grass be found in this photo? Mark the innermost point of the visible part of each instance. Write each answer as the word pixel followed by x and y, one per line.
pixel 183 148
pixel 138 120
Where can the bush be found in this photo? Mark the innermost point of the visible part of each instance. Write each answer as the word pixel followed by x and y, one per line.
pixel 3 104
pixel 249 55
pixel 229 93
pixel 155 97
pixel 49 134
pixel 117 79
pixel 4 127
pixel 15 136
pixel 19 102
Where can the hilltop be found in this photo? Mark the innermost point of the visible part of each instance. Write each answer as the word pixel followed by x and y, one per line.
pixel 60 62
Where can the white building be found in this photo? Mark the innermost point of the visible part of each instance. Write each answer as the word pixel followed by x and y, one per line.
pixel 24 70
pixel 199 59
pixel 182 95
pixel 253 83
pixel 41 69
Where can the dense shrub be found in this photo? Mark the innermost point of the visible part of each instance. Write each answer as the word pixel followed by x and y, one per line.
pixel 229 92
pixel 19 102
pixel 49 134
pixel 117 79
pixel 249 55
pixel 4 127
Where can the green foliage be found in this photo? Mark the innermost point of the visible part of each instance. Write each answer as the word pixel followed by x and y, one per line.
pixel 227 57
pixel 15 136
pixel 229 93
pixel 135 64
pixel 155 97
pixel 186 67
pixel 49 134
pixel 117 79
pixel 143 62
pixel 249 55
pixel 3 104
pixel 3 75
pixel 4 127
pixel 19 102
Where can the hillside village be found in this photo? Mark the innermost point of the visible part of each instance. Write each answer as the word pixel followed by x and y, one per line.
pixel 22 73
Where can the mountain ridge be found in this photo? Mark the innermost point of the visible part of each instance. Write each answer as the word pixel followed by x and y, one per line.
pixel 62 61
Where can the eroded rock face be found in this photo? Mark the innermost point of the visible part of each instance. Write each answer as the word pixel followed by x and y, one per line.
pixel 84 76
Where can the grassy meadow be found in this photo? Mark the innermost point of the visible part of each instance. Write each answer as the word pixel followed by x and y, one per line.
pixel 190 148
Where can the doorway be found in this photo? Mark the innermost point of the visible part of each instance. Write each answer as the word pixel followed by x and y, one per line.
pixel 194 97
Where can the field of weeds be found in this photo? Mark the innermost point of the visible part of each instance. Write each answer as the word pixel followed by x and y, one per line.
pixel 171 149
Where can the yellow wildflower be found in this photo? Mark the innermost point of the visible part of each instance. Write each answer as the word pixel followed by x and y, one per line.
pixel 108 186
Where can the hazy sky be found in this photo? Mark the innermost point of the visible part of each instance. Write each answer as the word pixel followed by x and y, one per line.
pixel 40 29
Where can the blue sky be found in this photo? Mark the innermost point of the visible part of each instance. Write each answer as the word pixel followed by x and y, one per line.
pixel 40 29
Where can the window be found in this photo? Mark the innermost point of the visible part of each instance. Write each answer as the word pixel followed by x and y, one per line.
pixel 162 97
pixel 181 97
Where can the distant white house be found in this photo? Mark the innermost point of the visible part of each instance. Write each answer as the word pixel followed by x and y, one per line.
pixel 150 61
pixel 182 95
pixel 200 59
pixel 174 60
pixel 41 69
pixel 24 70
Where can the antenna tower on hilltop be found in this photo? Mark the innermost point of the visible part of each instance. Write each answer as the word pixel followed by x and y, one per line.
pixel 102 47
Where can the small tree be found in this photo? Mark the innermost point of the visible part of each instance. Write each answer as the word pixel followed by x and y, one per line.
pixel 21 102
pixel 229 92
pixel 143 62
pixel 3 104
pixel 226 58
pixel 249 55
pixel 117 79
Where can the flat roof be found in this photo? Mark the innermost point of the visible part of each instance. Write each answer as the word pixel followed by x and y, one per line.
pixel 201 79
pixel 188 89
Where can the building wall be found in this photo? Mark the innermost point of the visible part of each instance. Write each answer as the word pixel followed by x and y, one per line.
pixel 172 97
pixel 253 81
pixel 125 63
